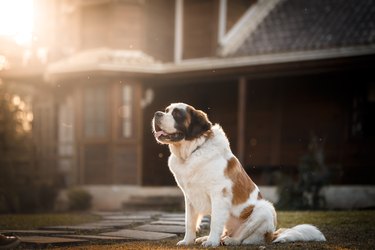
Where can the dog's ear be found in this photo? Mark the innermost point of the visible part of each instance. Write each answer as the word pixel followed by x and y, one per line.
pixel 199 124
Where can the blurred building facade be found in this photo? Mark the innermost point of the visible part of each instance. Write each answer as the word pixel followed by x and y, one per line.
pixel 271 72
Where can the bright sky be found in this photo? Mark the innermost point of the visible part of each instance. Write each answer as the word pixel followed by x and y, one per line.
pixel 16 20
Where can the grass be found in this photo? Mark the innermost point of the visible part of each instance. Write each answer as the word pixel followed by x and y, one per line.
pixel 343 230
pixel 34 221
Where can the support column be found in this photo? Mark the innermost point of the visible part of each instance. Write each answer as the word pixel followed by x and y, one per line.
pixel 178 30
pixel 222 20
pixel 241 119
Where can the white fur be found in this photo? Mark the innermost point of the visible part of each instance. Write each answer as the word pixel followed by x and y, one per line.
pixel 199 169
pixel 167 121
pixel 304 232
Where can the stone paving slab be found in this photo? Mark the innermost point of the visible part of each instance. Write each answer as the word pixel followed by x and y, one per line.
pixel 140 235
pixel 177 223
pixel 173 215
pixel 172 218
pixel 83 227
pixel 162 228
pixel 168 222
pixel 131 221
pixel 149 213
pixel 128 217
pixel 204 219
pixel 114 223
pixel 205 225
pixel 95 237
pixel 106 213
pixel 35 232
pixel 49 240
pixel 108 224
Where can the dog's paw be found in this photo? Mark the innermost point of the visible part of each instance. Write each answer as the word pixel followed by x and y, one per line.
pixel 200 240
pixel 229 241
pixel 210 243
pixel 184 243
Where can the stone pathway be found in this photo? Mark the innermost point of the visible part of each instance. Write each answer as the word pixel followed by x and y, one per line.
pixel 113 227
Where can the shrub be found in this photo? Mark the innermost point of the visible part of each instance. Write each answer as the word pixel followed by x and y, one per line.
pixel 22 189
pixel 27 198
pixel 313 175
pixel 79 199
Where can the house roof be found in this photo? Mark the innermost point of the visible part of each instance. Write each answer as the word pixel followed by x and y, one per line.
pixel 306 25
pixel 211 66
pixel 270 32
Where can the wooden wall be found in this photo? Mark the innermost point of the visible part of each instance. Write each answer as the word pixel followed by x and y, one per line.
pixel 118 25
pixel 200 28
pixel 159 37
pixel 281 115
pixel 235 9
pixel 148 26
pixel 284 113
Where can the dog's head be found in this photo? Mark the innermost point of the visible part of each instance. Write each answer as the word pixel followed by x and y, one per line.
pixel 179 122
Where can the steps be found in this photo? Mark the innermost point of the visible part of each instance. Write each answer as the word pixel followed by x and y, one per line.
pixel 159 202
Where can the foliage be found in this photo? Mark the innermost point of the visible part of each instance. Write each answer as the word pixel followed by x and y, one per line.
pixel 313 174
pixel 31 197
pixel 79 199
pixel 21 189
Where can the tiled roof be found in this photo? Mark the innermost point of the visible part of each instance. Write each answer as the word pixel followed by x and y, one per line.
pixel 307 25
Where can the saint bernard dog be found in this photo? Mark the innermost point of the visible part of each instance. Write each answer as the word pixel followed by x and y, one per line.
pixel 214 183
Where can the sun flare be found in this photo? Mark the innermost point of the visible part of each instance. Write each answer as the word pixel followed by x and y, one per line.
pixel 16 20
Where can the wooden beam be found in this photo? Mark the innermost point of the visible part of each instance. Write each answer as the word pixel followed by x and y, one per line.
pixel 241 119
pixel 178 30
pixel 222 20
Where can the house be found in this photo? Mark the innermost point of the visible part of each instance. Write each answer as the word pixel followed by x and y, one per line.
pixel 271 72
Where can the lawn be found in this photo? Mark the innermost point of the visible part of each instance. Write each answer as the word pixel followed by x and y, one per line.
pixel 343 230
pixel 33 221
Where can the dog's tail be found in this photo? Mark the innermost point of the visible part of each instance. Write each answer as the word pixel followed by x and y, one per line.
pixel 304 232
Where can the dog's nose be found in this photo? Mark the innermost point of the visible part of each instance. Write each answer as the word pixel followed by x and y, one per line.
pixel 158 114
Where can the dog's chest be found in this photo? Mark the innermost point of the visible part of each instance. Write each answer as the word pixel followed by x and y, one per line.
pixel 198 198
pixel 197 180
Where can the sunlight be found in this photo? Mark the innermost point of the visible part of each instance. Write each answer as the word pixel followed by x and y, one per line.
pixel 16 20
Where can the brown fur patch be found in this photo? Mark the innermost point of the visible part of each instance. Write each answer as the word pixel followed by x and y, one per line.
pixel 242 184
pixel 225 192
pixel 188 118
pixel 246 212
pixel 196 123
pixel 269 237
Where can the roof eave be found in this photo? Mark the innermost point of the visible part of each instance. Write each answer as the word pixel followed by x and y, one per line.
pixel 208 64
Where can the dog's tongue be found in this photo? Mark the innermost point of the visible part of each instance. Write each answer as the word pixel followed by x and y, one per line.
pixel 160 133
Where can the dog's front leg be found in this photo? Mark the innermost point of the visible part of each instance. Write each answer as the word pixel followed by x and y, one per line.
pixel 191 217
pixel 219 215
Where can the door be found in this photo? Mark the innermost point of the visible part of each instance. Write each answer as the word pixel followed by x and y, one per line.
pixel 109 136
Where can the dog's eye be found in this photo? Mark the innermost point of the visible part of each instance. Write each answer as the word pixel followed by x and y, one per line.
pixel 177 113
pixel 166 110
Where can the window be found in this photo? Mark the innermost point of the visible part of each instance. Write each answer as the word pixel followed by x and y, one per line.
pixel 362 114
pixel 126 111
pixel 356 126
pixel 95 109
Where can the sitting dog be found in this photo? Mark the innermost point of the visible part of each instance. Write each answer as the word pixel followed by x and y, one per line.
pixel 214 183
